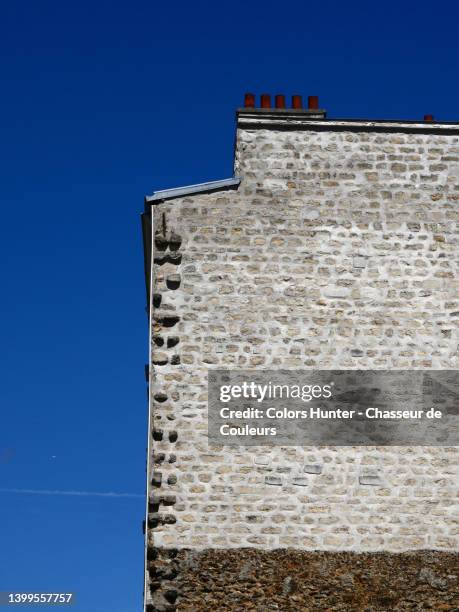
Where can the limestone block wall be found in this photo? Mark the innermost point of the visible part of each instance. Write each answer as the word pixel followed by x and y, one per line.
pixel 339 249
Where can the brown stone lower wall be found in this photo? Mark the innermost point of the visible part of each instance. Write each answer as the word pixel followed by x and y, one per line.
pixel 289 580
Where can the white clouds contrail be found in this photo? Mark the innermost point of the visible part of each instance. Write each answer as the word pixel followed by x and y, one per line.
pixel 75 493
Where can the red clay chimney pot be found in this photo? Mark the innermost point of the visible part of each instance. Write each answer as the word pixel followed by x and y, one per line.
pixel 297 102
pixel 428 117
pixel 249 100
pixel 265 101
pixel 280 101
pixel 313 102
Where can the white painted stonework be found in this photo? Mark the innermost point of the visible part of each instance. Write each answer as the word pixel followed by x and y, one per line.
pixel 339 249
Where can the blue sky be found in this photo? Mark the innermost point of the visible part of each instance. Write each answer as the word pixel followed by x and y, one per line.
pixel 102 103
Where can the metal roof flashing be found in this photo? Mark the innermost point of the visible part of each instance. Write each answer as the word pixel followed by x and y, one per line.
pixel 305 119
pixel 177 192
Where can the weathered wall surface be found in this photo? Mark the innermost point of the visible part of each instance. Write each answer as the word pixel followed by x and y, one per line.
pixel 340 249
pixel 299 581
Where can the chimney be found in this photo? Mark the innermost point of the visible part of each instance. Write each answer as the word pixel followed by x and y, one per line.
pixel 313 102
pixel 297 102
pixel 249 100
pixel 273 109
pixel 280 101
pixel 265 101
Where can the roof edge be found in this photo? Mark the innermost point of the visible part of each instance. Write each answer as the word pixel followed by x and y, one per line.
pixel 177 192
pixel 294 119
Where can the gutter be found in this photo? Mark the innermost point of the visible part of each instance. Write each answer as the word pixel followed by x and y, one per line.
pixel 168 194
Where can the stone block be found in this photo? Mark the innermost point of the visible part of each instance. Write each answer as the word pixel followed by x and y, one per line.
pixel 372 479
pixel 336 292
pixel 273 480
pixel 359 261
pixel 300 481
pixel 312 468
pixel 262 460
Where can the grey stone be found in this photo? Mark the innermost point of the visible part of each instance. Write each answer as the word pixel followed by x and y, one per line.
pixel 262 460
pixel 287 585
pixel 371 479
pixel 300 481
pixel 359 261
pixel 336 292
pixel 273 480
pixel 428 576
pixel 312 468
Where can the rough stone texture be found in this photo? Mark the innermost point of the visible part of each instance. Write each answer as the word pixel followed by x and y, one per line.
pixel 338 250
pixel 293 581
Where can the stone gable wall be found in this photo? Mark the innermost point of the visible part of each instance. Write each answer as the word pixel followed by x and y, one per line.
pixel 338 250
